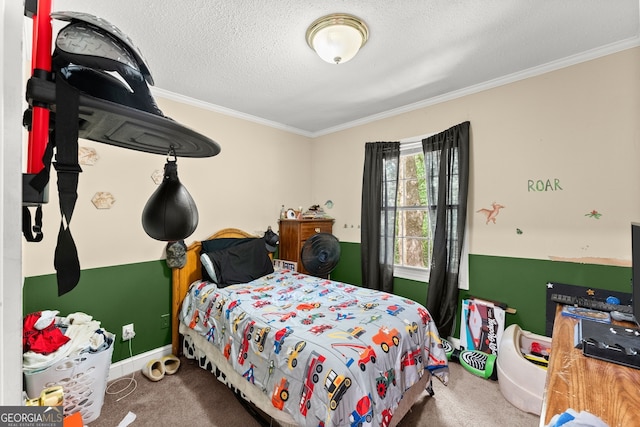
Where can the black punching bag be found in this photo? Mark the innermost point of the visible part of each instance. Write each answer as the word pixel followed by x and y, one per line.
pixel 170 213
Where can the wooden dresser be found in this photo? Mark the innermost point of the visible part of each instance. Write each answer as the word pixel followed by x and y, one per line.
pixel 607 390
pixel 294 232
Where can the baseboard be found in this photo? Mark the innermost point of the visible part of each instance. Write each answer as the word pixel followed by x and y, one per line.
pixel 132 364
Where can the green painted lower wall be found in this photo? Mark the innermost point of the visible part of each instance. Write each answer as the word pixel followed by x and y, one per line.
pixel 115 296
pixel 348 269
pixel 141 293
pixel 520 283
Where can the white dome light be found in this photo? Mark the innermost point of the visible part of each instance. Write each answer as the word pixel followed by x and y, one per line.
pixel 337 38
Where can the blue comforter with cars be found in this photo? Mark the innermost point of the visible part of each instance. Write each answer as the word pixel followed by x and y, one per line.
pixel 326 352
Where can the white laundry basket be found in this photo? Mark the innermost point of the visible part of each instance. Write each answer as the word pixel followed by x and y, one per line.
pixel 83 379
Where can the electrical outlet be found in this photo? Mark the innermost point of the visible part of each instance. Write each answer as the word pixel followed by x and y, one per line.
pixel 128 332
pixel 164 321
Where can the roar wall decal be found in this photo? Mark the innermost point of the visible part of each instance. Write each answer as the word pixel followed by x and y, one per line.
pixel 492 213
pixel 544 185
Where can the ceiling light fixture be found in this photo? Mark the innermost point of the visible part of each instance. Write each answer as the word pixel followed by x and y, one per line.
pixel 336 38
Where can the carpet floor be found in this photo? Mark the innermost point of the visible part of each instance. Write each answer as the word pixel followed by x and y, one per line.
pixel 194 397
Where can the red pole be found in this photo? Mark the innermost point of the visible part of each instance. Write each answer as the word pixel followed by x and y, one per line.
pixel 40 67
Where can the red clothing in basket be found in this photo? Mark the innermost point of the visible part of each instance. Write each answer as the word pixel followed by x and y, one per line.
pixel 43 341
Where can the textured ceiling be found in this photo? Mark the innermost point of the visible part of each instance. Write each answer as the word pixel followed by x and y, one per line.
pixel 250 57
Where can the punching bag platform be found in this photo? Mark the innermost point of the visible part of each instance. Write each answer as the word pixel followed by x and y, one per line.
pixel 126 127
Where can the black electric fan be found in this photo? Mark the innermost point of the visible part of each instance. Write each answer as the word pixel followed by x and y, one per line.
pixel 320 254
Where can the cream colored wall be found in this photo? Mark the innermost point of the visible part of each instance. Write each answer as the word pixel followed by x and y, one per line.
pixel 259 169
pixel 578 127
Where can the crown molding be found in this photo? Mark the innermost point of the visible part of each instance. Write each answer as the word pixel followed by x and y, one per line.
pixel 511 78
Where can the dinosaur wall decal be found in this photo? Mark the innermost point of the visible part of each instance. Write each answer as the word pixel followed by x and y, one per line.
pixel 492 213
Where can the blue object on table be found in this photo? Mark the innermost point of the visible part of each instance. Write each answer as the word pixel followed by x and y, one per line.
pixel 612 300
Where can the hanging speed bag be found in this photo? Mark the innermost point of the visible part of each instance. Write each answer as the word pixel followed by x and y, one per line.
pixel 170 213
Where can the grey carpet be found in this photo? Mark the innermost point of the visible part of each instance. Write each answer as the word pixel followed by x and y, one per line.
pixel 467 401
pixel 194 397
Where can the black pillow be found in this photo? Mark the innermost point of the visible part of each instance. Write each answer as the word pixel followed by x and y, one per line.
pixel 217 244
pixel 241 263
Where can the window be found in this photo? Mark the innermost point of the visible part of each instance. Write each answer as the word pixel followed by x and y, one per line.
pixel 413 229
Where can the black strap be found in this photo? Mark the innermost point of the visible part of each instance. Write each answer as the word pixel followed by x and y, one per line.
pixel 32 233
pixel 38 182
pixel 64 137
pixel 66 140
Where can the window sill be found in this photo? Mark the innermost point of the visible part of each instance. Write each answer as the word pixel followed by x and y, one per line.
pixel 412 273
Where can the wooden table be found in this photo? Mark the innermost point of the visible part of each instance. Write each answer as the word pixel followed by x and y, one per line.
pixel 605 389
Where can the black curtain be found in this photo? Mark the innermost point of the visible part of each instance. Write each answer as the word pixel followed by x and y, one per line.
pixel 446 158
pixel 378 214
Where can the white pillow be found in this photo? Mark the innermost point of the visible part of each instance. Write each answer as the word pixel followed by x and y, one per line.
pixel 208 265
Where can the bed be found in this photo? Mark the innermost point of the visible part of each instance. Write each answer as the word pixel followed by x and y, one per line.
pixel 303 350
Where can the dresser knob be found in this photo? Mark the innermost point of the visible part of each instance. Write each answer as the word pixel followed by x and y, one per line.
pixel 317 229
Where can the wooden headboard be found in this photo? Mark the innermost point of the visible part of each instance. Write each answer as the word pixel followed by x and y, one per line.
pixel 182 278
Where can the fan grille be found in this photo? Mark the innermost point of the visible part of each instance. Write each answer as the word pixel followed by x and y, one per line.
pixel 320 254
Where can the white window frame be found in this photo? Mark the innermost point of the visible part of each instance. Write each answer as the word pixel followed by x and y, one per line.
pixel 409 146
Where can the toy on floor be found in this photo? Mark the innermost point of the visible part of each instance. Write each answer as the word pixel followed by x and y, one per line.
pixel 522 368
pixel 475 361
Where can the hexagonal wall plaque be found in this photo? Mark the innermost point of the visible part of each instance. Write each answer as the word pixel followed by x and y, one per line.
pixel 157 176
pixel 103 200
pixel 87 156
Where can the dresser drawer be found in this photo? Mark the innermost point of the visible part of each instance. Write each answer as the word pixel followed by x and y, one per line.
pixel 308 230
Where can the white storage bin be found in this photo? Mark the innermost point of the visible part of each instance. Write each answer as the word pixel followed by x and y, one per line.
pixel 83 379
pixel 521 381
